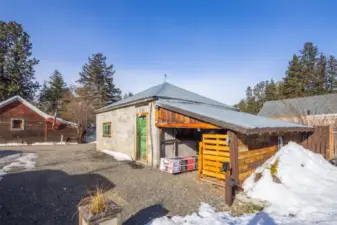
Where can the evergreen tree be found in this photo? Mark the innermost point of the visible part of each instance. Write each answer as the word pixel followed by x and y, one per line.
pixel 308 61
pixel 293 85
pixel 331 74
pixel 16 64
pixel 320 76
pixel 251 104
pixel 271 91
pixel 51 94
pixel 97 77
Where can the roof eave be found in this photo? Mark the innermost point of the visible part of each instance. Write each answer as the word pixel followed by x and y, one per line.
pixel 140 101
pixel 240 129
pixel 280 130
pixel 222 124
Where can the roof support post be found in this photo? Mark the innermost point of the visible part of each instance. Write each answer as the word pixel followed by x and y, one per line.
pixel 233 179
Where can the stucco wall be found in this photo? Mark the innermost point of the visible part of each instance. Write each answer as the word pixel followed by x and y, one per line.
pixel 123 131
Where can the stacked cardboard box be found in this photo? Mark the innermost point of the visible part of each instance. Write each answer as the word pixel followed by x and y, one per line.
pixel 179 164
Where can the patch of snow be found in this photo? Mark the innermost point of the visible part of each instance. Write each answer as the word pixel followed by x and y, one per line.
pixel 208 215
pixel 21 160
pixel 13 144
pixel 306 194
pixel 38 143
pixel 91 138
pixel 118 155
pixel 54 143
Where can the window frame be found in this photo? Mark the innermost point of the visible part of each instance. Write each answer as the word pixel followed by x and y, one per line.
pixel 17 129
pixel 106 123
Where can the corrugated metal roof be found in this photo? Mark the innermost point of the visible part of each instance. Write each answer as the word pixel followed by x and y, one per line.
pixel 166 91
pixel 315 105
pixel 238 121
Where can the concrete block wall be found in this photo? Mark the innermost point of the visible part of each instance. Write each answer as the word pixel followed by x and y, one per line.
pixel 123 132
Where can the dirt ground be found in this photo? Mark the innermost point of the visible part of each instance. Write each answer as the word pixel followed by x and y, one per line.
pixel 64 174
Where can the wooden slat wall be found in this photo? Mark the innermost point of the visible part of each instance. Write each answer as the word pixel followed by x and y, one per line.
pixel 250 160
pixel 166 118
pixel 213 152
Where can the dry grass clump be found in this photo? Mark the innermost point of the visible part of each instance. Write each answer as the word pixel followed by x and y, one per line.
pixel 274 167
pixel 96 202
pixel 274 170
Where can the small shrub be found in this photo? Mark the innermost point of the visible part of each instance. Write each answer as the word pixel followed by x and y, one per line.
pixel 274 168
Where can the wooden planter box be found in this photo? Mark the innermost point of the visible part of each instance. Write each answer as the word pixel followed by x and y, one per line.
pixel 111 216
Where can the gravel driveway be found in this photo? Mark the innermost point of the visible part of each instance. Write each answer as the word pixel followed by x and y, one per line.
pixel 64 174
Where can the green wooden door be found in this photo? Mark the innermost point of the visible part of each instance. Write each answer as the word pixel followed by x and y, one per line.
pixel 141 137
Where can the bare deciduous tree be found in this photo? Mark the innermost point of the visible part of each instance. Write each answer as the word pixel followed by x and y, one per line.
pixel 79 109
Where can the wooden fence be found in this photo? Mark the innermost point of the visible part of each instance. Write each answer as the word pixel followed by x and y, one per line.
pixel 213 151
pixel 320 141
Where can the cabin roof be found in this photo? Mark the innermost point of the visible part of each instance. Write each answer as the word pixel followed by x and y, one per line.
pixel 165 91
pixel 230 119
pixel 313 105
pixel 32 107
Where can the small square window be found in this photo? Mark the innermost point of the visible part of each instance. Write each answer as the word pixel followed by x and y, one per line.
pixel 107 129
pixel 17 124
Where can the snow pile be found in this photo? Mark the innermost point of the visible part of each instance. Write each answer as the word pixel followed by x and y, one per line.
pixel 302 193
pixel 118 155
pixel 24 161
pixel 307 188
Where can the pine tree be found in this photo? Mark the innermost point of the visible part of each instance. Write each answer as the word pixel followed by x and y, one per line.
pixel 320 76
pixel 51 94
pixel 308 61
pixel 16 64
pixel 331 74
pixel 271 91
pixel 97 77
pixel 293 84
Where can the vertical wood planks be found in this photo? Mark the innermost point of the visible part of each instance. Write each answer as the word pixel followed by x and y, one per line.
pixel 234 155
pixel 200 161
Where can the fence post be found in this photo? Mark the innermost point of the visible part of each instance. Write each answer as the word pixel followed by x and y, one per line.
pixel 200 160
pixel 229 190
pixel 331 143
pixel 234 167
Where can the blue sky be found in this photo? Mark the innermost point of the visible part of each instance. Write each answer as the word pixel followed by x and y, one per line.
pixel 215 48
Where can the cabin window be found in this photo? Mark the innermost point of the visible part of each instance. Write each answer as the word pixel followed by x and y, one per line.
pixel 17 124
pixel 107 129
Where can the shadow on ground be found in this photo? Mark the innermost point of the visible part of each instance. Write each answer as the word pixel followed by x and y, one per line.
pixel 45 197
pixel 262 218
pixel 5 153
pixel 144 216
